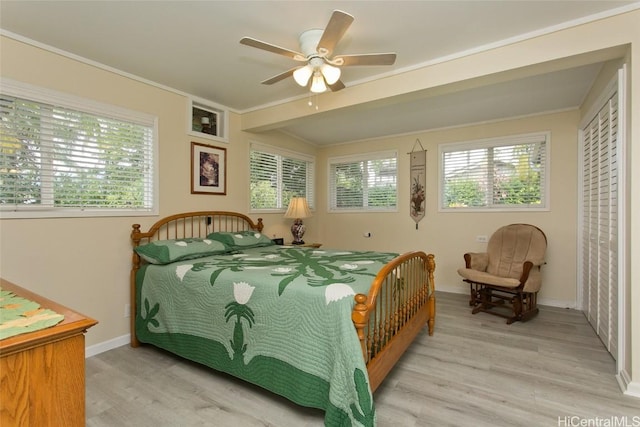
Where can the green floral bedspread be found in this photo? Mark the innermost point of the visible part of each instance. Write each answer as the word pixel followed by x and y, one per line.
pixel 276 316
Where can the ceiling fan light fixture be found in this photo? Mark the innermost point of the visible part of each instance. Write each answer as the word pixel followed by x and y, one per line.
pixel 317 48
pixel 302 75
pixel 317 84
pixel 331 74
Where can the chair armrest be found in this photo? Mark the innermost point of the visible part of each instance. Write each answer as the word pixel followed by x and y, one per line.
pixel 526 268
pixel 476 260
pixel 537 262
pixel 531 279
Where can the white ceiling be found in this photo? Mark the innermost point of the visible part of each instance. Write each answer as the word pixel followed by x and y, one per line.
pixel 193 46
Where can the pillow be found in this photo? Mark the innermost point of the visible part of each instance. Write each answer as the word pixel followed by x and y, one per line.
pixel 168 251
pixel 241 239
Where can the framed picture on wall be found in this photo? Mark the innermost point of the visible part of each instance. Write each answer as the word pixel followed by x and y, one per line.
pixel 208 169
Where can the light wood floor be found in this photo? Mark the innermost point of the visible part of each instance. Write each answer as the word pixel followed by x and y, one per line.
pixel 474 371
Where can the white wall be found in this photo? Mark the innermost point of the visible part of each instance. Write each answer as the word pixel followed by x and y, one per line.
pixel 449 235
pixel 600 40
pixel 84 263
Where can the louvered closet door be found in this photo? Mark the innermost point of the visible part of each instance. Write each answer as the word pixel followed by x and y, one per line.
pixel 600 224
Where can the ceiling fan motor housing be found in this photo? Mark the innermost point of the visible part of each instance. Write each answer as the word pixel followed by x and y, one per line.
pixel 309 42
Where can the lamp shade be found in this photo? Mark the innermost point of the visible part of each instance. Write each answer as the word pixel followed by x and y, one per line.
pixel 298 208
pixel 317 83
pixel 331 74
pixel 303 74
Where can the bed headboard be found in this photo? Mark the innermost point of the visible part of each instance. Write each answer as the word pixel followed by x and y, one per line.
pixel 194 224
pixel 181 226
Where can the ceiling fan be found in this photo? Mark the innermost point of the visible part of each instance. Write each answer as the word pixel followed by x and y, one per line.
pixel 317 47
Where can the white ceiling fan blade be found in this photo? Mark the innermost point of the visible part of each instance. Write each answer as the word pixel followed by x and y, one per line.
pixel 249 41
pixel 365 59
pixel 335 29
pixel 277 78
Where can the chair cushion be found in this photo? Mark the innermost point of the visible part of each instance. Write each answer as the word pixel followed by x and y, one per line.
pixel 478 260
pixel 489 279
pixel 510 246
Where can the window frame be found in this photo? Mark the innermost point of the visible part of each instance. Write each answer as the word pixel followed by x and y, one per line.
pixel 290 154
pixel 521 139
pixel 208 108
pixel 356 158
pixel 37 94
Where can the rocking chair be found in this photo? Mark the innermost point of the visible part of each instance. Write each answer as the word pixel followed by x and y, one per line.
pixel 505 280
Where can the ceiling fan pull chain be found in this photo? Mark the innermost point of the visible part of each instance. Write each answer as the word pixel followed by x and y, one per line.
pixel 313 102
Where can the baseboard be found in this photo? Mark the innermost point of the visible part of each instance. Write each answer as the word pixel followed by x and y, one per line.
pixel 633 389
pixel 623 379
pixel 629 388
pixel 557 303
pixel 451 289
pixel 95 349
pixel 541 301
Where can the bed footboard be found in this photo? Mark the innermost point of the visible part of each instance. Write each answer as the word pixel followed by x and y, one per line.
pixel 401 301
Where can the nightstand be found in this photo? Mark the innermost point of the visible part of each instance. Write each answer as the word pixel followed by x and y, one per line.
pixel 312 245
pixel 307 245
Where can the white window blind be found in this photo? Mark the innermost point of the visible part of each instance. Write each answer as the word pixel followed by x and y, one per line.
pixel 365 182
pixel 66 160
pixel 503 173
pixel 277 175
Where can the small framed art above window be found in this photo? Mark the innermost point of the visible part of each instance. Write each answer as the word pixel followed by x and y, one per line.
pixel 207 121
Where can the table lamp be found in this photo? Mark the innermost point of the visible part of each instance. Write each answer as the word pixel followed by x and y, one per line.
pixel 298 209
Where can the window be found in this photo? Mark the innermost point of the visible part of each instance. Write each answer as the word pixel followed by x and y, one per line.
pixel 365 182
pixel 63 156
pixel 277 175
pixel 495 174
pixel 208 121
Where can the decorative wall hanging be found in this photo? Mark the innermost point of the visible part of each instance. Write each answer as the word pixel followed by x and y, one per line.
pixel 208 169
pixel 418 168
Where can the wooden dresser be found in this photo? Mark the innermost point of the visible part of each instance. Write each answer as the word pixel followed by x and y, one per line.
pixel 42 373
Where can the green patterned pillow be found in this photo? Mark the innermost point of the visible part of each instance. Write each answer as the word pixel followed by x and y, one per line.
pixel 241 239
pixel 168 251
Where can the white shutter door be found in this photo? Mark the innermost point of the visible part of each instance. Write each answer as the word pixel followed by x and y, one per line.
pixel 600 224
pixel 588 289
pixel 593 226
pixel 592 146
pixel 613 227
pixel 603 226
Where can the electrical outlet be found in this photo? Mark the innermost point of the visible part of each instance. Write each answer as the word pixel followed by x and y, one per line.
pixel 482 239
pixel 127 310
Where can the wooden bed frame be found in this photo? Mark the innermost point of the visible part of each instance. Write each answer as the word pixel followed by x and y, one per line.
pixel 384 332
